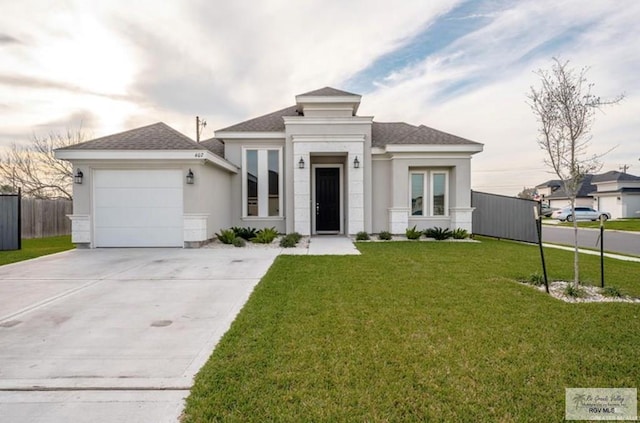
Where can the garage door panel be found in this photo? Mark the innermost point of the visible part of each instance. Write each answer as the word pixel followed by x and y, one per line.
pixel 145 237
pixel 138 208
pixel 138 197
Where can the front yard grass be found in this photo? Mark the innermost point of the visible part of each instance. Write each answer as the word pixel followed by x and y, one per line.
pixel 410 331
pixel 32 248
pixel 632 225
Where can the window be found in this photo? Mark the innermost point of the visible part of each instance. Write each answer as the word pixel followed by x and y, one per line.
pixel 429 193
pixel 262 184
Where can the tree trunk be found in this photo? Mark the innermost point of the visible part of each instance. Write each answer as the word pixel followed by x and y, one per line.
pixel 576 266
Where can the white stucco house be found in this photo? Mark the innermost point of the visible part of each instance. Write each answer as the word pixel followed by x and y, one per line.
pixel 316 167
pixel 617 193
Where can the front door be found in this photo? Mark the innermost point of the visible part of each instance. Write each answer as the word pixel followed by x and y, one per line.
pixel 327 199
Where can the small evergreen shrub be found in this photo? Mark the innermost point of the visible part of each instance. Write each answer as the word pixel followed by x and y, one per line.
pixel 384 236
pixel 296 236
pixel 289 241
pixel 265 236
pixel 226 236
pixel 460 233
pixel 239 242
pixel 413 233
pixel 362 236
pixel 244 233
pixel 536 279
pixel 437 233
pixel 612 291
pixel 574 291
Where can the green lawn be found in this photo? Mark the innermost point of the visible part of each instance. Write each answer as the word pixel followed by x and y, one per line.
pixel 632 225
pixel 32 248
pixel 417 331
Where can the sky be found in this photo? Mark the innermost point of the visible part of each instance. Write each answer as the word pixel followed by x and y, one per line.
pixel 463 67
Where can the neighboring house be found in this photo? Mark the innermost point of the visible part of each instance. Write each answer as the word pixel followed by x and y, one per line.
pixel 552 193
pixel 617 193
pixel 315 167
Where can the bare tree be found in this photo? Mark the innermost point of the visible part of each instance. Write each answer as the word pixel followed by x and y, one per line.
pixel 565 109
pixel 35 170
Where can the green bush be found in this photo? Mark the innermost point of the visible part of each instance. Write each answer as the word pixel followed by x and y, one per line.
pixel 239 242
pixel 536 279
pixel 574 291
pixel 296 236
pixel 265 236
pixel 437 233
pixel 289 241
pixel 384 235
pixel 362 236
pixel 612 291
pixel 460 233
pixel 244 233
pixel 226 236
pixel 413 233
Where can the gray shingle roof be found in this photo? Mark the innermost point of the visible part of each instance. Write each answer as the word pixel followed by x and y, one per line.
pixel 403 133
pixel 158 136
pixel 328 92
pixel 214 145
pixel 585 189
pixel 272 122
pixel 614 175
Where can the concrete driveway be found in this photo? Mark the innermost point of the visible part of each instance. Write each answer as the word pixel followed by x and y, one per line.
pixel 115 334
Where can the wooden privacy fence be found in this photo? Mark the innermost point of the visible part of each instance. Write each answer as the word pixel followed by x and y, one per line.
pixel 499 216
pixel 43 218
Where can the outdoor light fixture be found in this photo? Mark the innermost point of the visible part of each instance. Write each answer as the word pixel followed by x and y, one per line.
pixel 356 163
pixel 301 163
pixel 78 177
pixel 190 177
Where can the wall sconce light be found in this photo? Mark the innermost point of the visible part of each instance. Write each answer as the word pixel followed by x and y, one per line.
pixel 77 178
pixel 190 177
pixel 356 163
pixel 301 163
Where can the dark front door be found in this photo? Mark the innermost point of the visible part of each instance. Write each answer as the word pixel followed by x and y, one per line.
pixel 327 199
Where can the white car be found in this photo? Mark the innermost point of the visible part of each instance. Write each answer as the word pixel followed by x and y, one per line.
pixel 581 213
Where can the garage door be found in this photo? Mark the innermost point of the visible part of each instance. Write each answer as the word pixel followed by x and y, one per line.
pixel 138 208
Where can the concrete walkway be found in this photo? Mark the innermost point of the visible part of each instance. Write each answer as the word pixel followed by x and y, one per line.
pixel 322 245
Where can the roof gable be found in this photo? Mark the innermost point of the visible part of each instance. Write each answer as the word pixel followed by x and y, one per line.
pixel 327 92
pixel 158 136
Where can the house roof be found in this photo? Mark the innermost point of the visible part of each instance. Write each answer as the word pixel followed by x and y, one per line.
pixel 271 122
pixel 158 136
pixel 328 92
pixel 614 176
pixel 551 183
pixel 586 188
pixel 623 190
pixel 214 145
pixel 383 133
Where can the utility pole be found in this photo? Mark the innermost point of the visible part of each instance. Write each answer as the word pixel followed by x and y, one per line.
pixel 200 125
pixel 624 168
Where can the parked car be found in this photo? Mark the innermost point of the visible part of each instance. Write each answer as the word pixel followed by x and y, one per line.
pixel 581 213
pixel 546 211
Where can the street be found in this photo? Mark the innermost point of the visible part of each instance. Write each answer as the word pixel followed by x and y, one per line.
pixel 614 241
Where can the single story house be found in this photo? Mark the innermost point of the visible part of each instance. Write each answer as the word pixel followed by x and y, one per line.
pixel 553 194
pixel 617 193
pixel 315 167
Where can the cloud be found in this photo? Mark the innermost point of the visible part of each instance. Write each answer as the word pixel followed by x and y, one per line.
pixel 7 39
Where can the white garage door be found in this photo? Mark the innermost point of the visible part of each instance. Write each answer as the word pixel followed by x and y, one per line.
pixel 138 208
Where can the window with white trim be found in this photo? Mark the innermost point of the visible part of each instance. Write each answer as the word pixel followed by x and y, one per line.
pixel 429 193
pixel 262 182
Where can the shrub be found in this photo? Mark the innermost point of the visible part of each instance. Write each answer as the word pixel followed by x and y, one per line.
pixel 289 241
pixel 226 236
pixel 460 233
pixel 244 233
pixel 265 236
pixel 362 236
pixel 574 291
pixel 413 233
pixel 239 242
pixel 296 236
pixel 612 291
pixel 438 233
pixel 536 279
pixel 384 235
